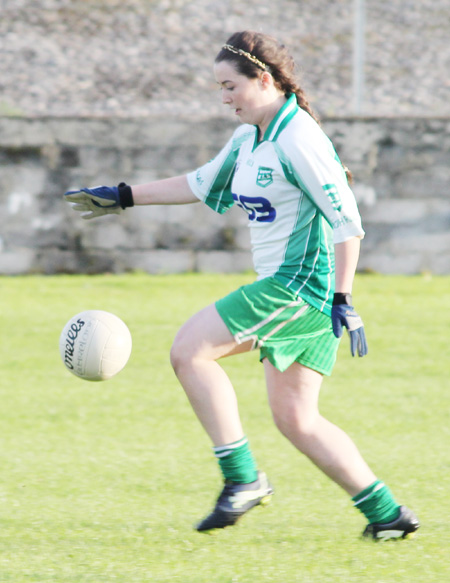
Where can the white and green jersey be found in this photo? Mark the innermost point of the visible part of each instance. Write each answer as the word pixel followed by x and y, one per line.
pixel 295 192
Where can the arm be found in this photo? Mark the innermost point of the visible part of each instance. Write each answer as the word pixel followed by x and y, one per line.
pixel 101 200
pixel 342 312
pixel 174 190
pixel 346 259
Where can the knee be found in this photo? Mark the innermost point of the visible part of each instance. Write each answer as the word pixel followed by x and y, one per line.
pixel 179 353
pixel 185 349
pixel 295 425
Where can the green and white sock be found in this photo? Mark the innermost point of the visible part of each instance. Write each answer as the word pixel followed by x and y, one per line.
pixel 237 462
pixel 377 503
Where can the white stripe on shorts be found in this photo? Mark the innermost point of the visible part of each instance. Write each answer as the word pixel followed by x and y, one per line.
pixel 250 333
pixel 282 324
pixel 245 335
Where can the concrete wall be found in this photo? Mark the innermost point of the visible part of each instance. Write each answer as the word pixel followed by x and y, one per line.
pixel 402 183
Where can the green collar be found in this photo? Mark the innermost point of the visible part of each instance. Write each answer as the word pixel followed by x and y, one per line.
pixel 280 121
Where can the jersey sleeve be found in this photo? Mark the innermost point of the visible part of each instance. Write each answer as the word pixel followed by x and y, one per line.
pixel 311 162
pixel 211 183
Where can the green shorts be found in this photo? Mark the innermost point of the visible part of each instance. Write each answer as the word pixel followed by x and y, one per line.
pixel 286 329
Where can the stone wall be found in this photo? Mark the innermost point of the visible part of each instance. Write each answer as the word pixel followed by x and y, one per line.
pixel 402 178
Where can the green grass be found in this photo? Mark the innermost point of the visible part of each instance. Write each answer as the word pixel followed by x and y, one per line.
pixel 102 482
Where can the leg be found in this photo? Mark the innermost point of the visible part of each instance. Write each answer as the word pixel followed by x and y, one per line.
pixel 197 346
pixel 199 343
pixel 293 398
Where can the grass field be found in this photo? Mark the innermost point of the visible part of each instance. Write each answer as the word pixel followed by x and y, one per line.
pixel 102 482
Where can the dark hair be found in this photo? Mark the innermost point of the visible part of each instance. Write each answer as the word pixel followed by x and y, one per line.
pixel 274 55
pixel 277 60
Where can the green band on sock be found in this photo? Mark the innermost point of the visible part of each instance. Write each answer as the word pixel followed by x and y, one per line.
pixel 224 450
pixel 367 492
pixel 377 503
pixel 236 462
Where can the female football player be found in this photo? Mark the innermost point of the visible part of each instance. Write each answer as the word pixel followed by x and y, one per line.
pixel 281 169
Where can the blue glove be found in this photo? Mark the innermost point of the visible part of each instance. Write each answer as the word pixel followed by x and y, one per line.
pixel 343 315
pixel 100 200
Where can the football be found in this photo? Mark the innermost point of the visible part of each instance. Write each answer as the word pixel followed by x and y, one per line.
pixel 95 345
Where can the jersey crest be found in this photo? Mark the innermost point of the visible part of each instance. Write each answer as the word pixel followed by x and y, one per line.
pixel 264 177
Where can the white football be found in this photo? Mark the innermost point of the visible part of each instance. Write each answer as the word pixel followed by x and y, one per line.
pixel 95 345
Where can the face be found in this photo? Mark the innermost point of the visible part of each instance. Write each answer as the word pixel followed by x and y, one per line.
pixel 248 97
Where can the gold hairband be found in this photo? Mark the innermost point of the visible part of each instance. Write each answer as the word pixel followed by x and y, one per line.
pixel 248 56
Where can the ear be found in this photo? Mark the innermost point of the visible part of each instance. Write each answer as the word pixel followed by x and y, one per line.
pixel 266 80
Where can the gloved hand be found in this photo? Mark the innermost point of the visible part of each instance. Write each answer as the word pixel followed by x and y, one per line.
pixel 100 200
pixel 343 315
